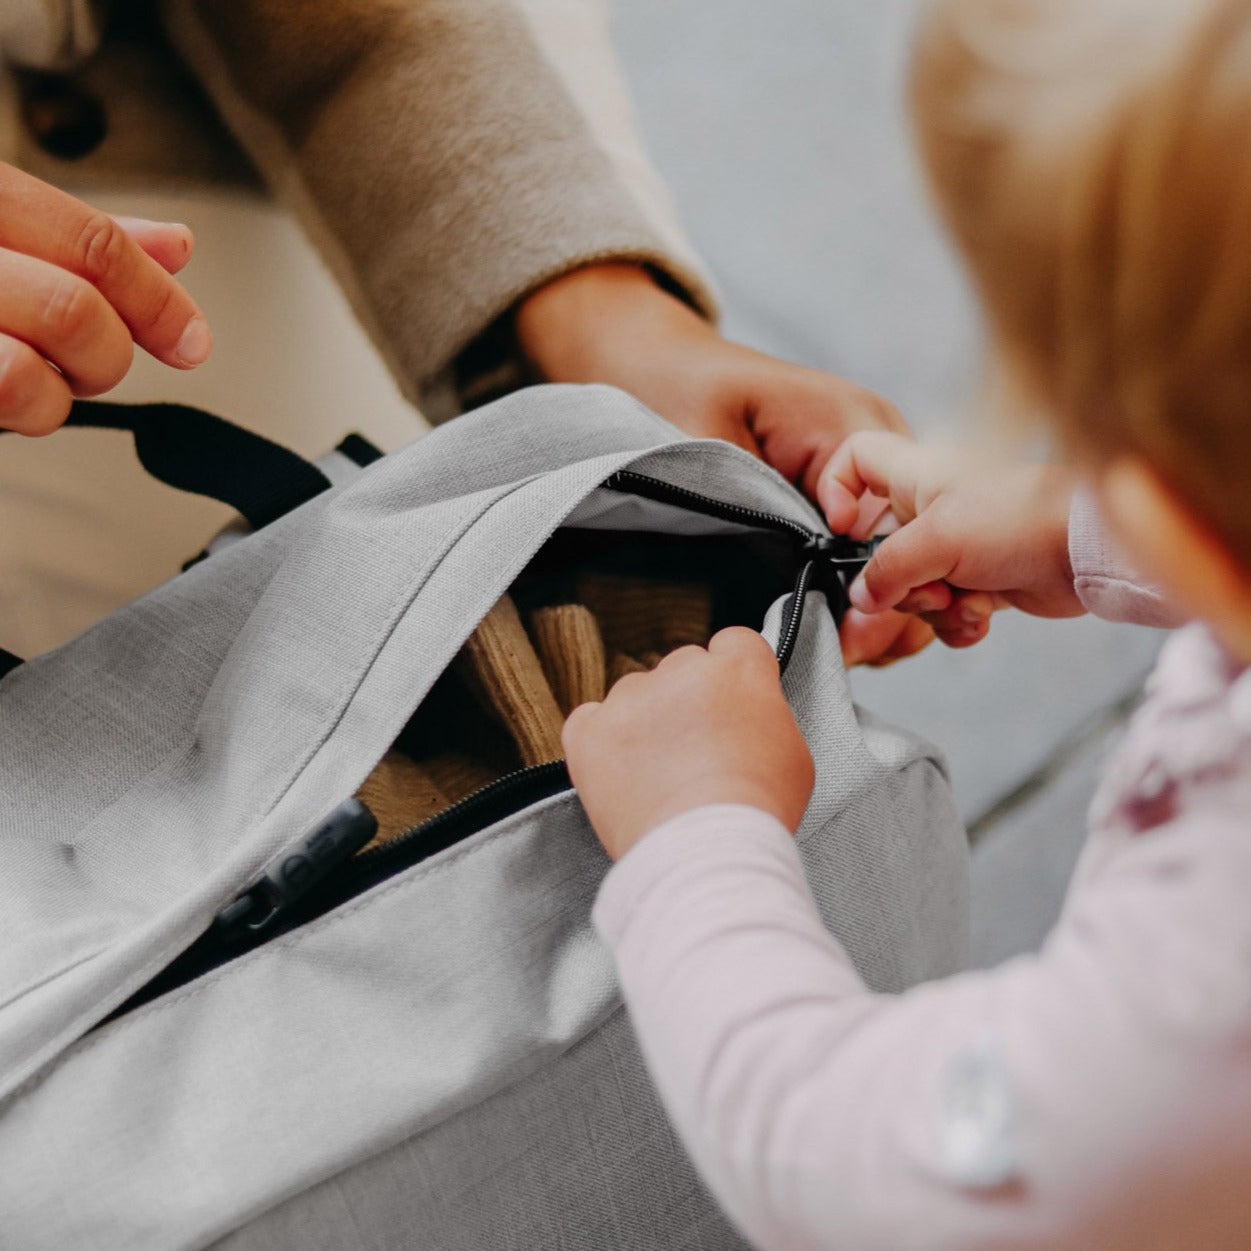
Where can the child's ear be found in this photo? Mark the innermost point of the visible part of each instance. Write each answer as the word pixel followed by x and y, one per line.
pixel 1176 549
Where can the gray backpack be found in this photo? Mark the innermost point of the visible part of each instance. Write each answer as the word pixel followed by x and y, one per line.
pixel 219 1025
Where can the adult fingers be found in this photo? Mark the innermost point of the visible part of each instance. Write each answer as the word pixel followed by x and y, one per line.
pixel 881 638
pixel 34 398
pixel 66 320
pixel 851 412
pixel 915 636
pixel 40 221
pixel 169 244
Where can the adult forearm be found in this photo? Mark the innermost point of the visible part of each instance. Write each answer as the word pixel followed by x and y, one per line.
pixel 449 156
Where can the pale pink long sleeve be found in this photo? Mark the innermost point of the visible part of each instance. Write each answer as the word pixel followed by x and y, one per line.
pixel 1097 1095
pixel 1105 581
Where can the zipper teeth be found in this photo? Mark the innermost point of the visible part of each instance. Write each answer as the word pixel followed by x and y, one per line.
pixel 794 612
pixel 449 816
pixel 629 482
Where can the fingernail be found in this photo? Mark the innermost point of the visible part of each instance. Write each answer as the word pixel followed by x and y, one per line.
pixel 196 343
pixel 971 617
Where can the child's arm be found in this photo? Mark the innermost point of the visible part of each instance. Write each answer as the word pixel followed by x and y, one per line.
pixel 1098 1095
pixel 975 535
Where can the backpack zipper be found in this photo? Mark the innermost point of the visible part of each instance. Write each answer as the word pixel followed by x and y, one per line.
pixel 831 561
pixel 327 869
pixel 260 914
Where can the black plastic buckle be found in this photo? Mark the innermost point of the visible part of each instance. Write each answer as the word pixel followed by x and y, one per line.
pixel 294 873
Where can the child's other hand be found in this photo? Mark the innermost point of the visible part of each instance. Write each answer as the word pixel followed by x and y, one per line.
pixel 974 536
pixel 78 289
pixel 703 727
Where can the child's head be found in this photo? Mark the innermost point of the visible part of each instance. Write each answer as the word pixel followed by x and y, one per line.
pixel 1092 159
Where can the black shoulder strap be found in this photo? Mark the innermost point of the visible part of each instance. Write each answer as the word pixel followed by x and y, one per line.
pixel 194 451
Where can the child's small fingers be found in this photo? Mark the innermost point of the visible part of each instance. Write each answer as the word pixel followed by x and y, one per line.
pixel 932 597
pixel 742 643
pixel 966 613
pixel 915 556
pixel 873 517
pixel 840 506
pixel 576 723
pixel 679 658
pixel 963 635
pixel 870 460
pixel 966 620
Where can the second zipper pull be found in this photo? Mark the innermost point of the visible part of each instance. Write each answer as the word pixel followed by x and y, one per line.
pixel 290 876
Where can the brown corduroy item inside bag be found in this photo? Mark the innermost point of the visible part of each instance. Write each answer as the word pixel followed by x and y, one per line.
pixel 527 681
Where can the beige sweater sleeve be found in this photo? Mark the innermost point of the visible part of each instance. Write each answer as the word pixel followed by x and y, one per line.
pixel 447 156
pixel 49 34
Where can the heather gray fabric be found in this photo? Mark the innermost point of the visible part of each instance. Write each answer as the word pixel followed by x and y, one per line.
pixel 441 1062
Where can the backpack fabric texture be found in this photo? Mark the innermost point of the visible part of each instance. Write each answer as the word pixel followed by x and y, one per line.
pixel 441 1060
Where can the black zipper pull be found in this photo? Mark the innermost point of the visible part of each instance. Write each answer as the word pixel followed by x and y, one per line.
pixel 290 876
pixel 830 564
pixel 837 551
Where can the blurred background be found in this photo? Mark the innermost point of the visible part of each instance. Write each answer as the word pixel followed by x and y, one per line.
pixel 781 133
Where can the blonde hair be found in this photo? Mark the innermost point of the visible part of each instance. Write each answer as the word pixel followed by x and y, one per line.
pixel 1092 159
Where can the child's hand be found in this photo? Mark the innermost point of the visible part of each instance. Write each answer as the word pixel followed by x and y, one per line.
pixel 78 289
pixel 974 536
pixel 703 727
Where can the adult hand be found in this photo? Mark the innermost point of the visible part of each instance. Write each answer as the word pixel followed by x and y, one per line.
pixel 78 289
pixel 703 727
pixel 611 323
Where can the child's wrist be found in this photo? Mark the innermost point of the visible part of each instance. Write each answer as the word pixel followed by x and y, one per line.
pixel 701 793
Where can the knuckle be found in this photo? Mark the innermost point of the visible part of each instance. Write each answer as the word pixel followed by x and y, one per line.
pixel 32 400
pixel 626 686
pixel 14 382
pixel 161 308
pixel 52 412
pixel 101 248
pixel 744 644
pixel 883 566
pixel 679 658
pixel 686 653
pixel 67 312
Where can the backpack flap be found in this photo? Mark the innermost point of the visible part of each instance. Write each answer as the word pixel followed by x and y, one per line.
pixel 148 768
